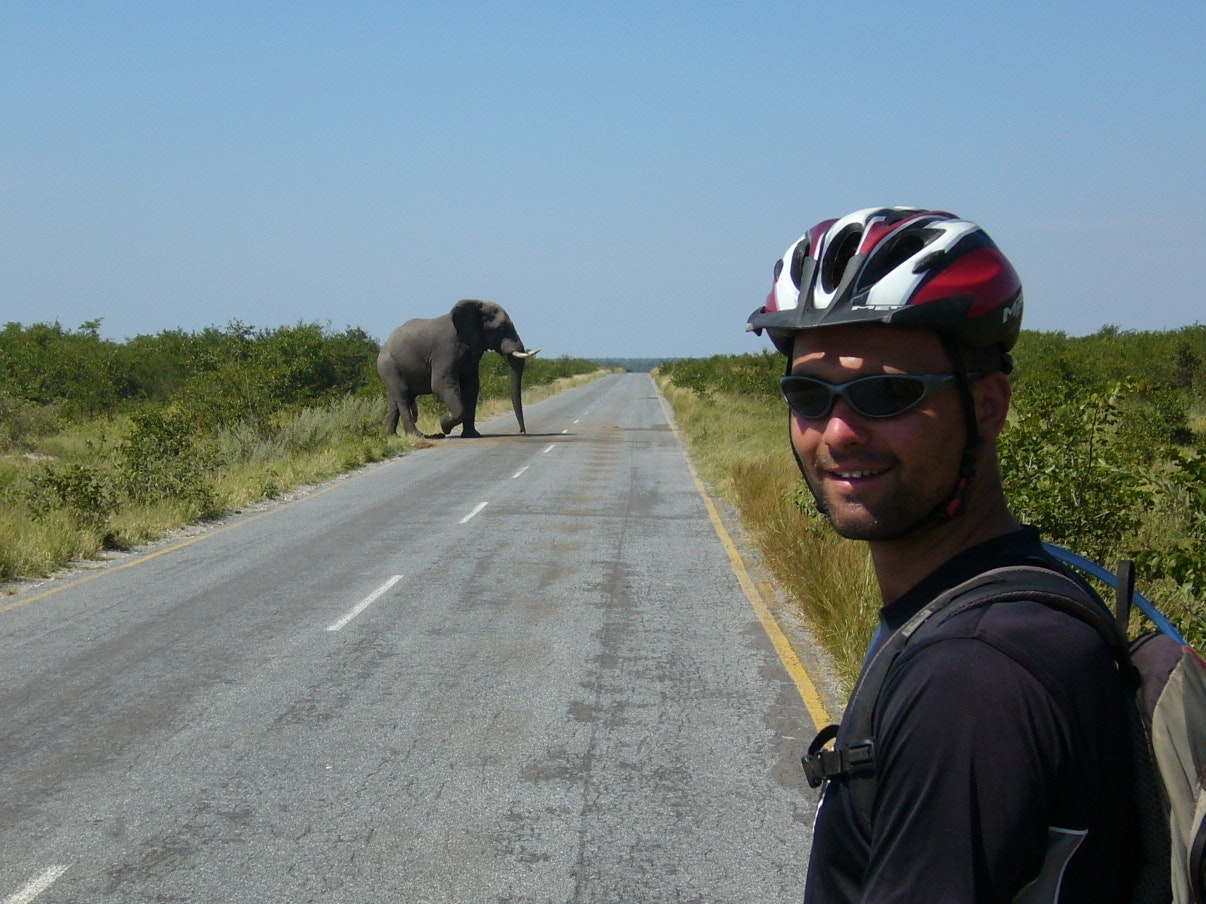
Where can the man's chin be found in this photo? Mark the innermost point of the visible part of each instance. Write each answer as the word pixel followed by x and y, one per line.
pixel 850 522
pixel 853 520
pixel 862 525
pixel 858 530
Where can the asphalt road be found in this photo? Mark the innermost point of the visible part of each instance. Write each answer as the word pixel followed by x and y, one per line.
pixel 519 668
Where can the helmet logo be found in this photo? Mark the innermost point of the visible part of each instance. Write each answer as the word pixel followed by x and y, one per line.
pixel 1011 311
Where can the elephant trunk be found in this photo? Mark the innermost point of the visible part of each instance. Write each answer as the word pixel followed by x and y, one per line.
pixel 517 364
pixel 517 360
pixel 517 356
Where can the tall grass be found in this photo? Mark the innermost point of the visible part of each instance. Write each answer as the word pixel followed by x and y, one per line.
pixel 75 503
pixel 30 546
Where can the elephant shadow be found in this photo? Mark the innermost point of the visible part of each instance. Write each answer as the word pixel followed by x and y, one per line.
pixel 500 436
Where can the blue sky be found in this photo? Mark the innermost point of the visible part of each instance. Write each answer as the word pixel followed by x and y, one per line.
pixel 620 176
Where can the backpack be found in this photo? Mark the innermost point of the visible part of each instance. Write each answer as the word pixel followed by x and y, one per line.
pixel 1168 720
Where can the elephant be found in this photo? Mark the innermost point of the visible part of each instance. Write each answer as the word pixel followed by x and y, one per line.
pixel 440 356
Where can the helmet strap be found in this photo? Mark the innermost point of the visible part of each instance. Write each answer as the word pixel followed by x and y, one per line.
pixel 822 508
pixel 957 503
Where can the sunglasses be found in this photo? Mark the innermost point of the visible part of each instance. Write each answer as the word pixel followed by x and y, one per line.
pixel 880 395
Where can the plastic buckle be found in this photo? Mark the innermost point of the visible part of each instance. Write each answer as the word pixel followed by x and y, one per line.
pixel 821 765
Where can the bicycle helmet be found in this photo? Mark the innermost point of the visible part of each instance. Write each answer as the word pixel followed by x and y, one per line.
pixel 901 266
pixel 904 267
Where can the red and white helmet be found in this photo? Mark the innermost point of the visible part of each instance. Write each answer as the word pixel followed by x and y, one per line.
pixel 899 266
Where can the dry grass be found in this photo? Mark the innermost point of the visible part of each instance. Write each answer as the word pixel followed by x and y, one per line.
pixel 829 578
pixel 741 449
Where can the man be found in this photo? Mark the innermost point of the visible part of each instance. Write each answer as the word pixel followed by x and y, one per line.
pixel 1001 743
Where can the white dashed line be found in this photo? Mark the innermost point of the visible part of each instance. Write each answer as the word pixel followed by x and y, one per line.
pixel 549 448
pixel 361 606
pixel 520 471
pixel 35 887
pixel 475 512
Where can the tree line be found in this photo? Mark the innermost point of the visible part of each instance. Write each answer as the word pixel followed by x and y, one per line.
pixel 51 376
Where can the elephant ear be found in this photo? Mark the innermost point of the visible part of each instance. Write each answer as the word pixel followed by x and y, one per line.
pixel 474 315
pixel 467 317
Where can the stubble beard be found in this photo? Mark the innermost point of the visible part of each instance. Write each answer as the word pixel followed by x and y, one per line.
pixel 899 516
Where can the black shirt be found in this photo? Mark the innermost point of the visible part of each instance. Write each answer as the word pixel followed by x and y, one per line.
pixel 1004 760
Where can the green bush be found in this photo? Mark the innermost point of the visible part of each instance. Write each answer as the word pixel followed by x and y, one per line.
pixel 46 364
pixel 161 458
pixel 227 374
pixel 1069 471
pixel 755 376
pixel 22 422
pixel 1173 539
pixel 85 492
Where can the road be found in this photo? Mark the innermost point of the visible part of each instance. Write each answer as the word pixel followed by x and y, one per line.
pixel 519 668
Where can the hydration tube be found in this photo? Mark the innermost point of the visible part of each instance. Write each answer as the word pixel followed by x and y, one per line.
pixel 1091 568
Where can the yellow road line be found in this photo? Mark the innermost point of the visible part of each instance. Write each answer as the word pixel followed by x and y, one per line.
pixel 787 655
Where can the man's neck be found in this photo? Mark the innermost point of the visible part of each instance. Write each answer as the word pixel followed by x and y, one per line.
pixel 901 564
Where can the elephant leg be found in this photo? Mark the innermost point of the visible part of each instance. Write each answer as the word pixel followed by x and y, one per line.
pixel 405 410
pixel 401 406
pixel 462 405
pixel 391 417
pixel 450 420
pixel 409 411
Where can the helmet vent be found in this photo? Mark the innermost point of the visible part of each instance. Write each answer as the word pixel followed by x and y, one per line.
pixel 896 266
pixel 930 261
pixel 838 256
pixel 894 253
pixel 797 261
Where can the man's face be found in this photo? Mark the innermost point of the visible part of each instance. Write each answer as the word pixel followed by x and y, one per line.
pixel 877 478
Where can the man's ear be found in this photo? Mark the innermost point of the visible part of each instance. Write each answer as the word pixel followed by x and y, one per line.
pixel 992 393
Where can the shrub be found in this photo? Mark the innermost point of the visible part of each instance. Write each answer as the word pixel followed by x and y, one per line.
pixel 755 376
pixel 84 491
pixel 161 460
pixel 1069 471
pixel 23 422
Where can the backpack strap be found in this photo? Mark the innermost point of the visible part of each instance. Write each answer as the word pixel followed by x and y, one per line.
pixel 855 762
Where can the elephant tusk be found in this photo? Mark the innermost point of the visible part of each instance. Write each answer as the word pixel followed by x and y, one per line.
pixel 524 354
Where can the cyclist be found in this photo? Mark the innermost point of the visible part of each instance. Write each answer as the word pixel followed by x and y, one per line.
pixel 1001 744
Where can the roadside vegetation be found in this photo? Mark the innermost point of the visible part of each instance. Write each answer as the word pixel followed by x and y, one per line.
pixel 107 445
pixel 1105 453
